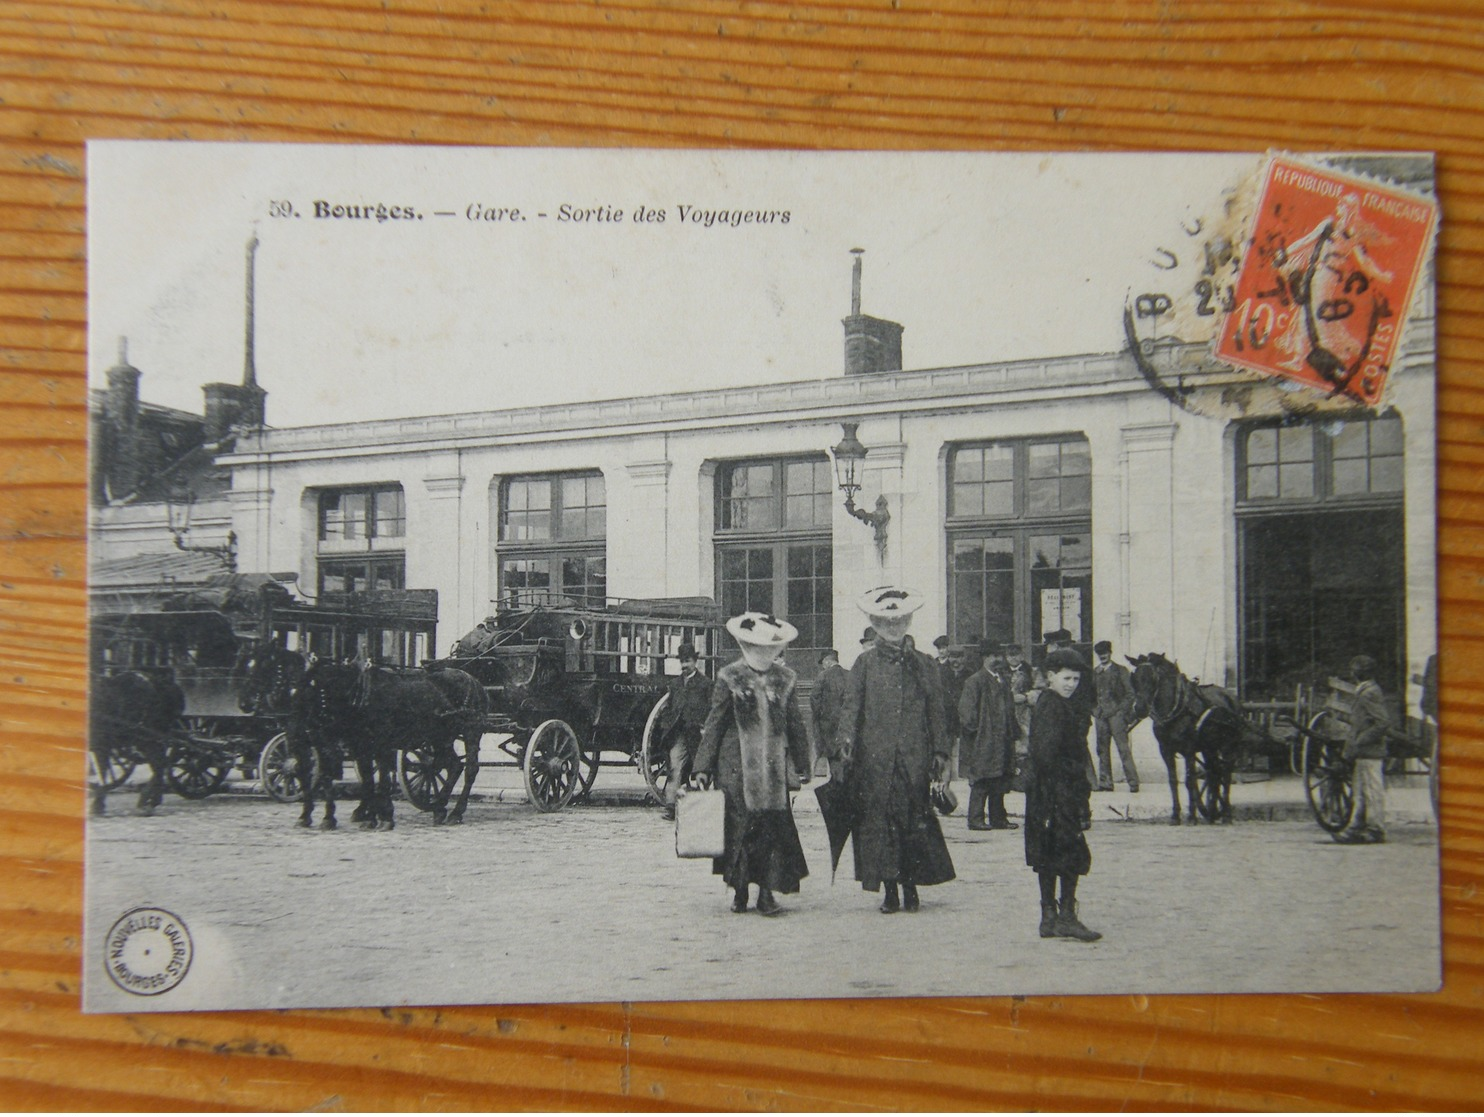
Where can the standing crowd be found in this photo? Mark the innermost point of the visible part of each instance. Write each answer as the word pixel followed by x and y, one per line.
pixel 887 732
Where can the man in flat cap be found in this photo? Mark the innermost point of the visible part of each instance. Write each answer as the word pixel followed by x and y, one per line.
pixel 986 712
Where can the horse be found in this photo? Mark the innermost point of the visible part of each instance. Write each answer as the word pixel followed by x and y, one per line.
pixel 133 714
pixel 373 712
pixel 1202 724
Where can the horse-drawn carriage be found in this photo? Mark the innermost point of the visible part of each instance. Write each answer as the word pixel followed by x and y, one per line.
pixel 574 687
pixel 1217 736
pixel 172 676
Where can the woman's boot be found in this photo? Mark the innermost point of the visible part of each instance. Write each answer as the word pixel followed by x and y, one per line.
pixel 893 901
pixel 739 899
pixel 766 904
pixel 909 897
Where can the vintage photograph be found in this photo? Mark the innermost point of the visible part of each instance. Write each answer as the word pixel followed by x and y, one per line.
pixel 530 575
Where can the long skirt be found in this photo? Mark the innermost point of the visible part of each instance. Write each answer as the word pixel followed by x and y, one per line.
pixel 905 843
pixel 762 848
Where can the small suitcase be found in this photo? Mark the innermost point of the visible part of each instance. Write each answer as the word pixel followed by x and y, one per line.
pixel 700 824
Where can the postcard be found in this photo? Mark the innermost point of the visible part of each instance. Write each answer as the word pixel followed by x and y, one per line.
pixel 524 575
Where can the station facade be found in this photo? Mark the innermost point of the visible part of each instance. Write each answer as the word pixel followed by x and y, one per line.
pixel 1149 498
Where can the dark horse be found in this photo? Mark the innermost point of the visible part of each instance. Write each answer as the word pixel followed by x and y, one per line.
pixel 1202 724
pixel 133 714
pixel 371 713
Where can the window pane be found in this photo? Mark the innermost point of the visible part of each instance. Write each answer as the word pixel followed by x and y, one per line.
pixel 1296 481
pixel 968 555
pixel 1076 494
pixel 1386 475
pixel 1076 459
pixel 574 492
pixel 1386 436
pixel 1045 459
pixel 999 463
pixel 1262 482
pixel 1042 495
pixel 733 565
pixel 999 499
pixel 968 500
pixel 1349 476
pixel 1296 444
pixel 391 514
pixel 1350 441
pixel 1262 446
pixel 968 465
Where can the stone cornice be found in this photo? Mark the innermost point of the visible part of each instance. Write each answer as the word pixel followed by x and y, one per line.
pixel 968 387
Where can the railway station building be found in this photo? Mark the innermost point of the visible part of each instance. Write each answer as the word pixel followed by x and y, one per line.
pixel 1146 496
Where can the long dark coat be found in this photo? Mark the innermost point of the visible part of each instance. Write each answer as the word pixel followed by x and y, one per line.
pixel 762 843
pixel 891 731
pixel 824 706
pixel 1058 793
pixel 986 711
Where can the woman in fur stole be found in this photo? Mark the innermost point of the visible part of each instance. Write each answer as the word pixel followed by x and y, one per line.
pixel 756 750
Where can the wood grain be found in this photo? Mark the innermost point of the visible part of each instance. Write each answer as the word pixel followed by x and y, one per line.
pixel 897 74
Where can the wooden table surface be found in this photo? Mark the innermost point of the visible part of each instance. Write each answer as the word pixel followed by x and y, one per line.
pixel 899 74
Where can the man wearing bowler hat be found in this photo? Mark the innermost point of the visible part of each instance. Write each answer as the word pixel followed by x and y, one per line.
pixel 685 714
pixel 1114 713
pixel 986 712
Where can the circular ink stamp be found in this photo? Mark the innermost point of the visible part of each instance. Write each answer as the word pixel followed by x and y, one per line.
pixel 148 951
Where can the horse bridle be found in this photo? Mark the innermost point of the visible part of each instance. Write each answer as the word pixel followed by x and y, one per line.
pixel 1180 694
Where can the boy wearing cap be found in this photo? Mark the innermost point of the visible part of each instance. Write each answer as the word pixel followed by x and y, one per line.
pixel 1366 746
pixel 689 702
pixel 1111 717
pixel 824 707
pixel 893 742
pixel 755 748
pixel 986 712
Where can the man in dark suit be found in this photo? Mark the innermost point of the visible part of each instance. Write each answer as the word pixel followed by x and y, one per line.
pixel 824 707
pixel 1115 710
pixel 685 714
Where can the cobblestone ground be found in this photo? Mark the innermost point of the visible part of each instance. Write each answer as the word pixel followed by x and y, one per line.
pixel 591 904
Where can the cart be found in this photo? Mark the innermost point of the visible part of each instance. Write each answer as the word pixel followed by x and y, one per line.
pixel 1329 777
pixel 202 640
pixel 575 686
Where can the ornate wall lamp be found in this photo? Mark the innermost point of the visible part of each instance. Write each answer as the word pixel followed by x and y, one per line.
pixel 178 513
pixel 850 457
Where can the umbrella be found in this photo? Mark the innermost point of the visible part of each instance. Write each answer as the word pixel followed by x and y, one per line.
pixel 837 809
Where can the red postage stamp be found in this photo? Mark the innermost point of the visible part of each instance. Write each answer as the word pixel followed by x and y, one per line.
pixel 1328 277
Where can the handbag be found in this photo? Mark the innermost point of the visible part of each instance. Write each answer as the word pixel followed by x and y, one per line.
pixel 700 824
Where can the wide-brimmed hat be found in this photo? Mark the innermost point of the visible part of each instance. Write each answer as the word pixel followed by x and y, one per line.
pixel 762 630
pixel 890 602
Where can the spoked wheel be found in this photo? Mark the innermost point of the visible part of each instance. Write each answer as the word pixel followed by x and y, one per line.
pixel 1327 775
pixel 193 772
pixel 552 766
pixel 111 770
pixel 1207 791
pixel 654 758
pixel 591 758
pixel 278 769
pixel 426 774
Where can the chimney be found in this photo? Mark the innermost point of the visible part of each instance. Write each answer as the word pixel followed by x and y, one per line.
pixel 871 344
pixel 121 419
pixel 239 405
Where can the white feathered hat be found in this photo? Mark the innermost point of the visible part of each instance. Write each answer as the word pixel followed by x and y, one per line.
pixel 887 602
pixel 762 630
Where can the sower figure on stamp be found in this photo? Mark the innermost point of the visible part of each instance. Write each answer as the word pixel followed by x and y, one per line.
pixel 824 709
pixel 1113 716
pixel 755 748
pixel 894 747
pixel 1058 798
pixel 1370 720
pixel 685 715
pixel 986 712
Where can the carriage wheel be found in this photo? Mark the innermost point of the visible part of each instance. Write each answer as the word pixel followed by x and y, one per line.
pixel 1207 792
pixel 654 758
pixel 194 773
pixel 426 774
pixel 114 771
pixel 553 765
pixel 278 769
pixel 1327 775
pixel 588 770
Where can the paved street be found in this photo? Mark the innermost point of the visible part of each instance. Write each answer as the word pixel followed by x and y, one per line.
pixel 592 904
